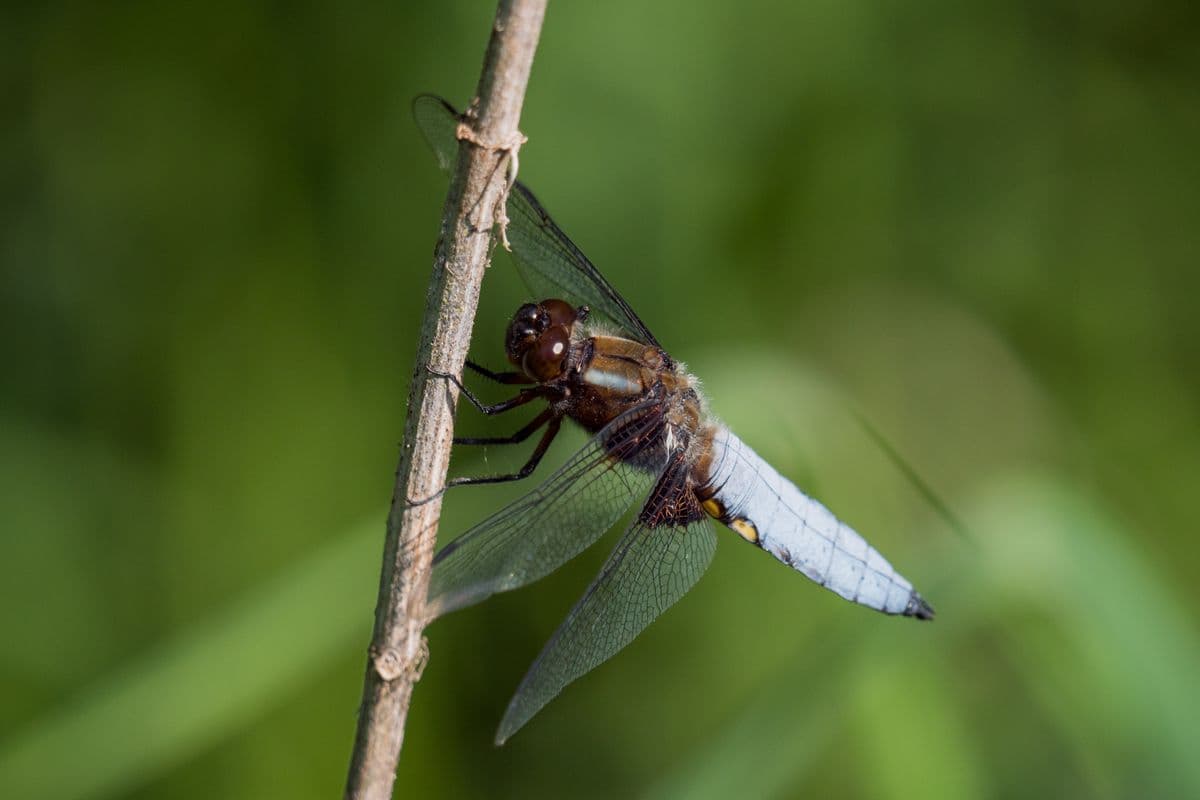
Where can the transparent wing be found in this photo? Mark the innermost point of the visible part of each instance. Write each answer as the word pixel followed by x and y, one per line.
pixel 549 262
pixel 552 266
pixel 536 534
pixel 651 567
pixel 438 123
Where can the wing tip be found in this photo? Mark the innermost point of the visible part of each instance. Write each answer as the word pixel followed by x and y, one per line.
pixel 512 721
pixel 424 98
pixel 917 607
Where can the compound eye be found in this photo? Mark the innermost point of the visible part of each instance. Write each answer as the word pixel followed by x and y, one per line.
pixel 560 312
pixel 528 316
pixel 523 331
pixel 544 361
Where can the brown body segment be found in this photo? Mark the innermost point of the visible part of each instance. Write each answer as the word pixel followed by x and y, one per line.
pixel 611 376
pixel 597 377
pixel 617 374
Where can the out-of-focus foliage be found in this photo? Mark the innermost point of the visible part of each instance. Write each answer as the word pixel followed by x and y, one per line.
pixel 972 223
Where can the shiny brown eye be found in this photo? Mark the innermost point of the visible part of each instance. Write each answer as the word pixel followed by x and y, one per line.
pixel 560 312
pixel 527 315
pixel 544 361
pixel 526 325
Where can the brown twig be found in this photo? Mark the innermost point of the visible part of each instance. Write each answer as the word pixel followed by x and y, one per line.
pixel 398 651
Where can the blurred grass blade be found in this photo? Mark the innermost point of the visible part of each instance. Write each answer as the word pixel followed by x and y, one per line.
pixel 913 477
pixel 1114 673
pixel 1119 674
pixel 912 731
pixel 196 688
pixel 774 740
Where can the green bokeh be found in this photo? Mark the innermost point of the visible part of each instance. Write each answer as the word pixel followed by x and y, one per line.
pixel 972 224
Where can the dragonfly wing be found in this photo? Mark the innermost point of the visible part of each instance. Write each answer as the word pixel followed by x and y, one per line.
pixel 438 122
pixel 553 266
pixel 549 262
pixel 653 565
pixel 535 534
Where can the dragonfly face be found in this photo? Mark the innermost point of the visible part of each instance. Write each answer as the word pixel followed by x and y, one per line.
pixel 590 359
pixel 539 338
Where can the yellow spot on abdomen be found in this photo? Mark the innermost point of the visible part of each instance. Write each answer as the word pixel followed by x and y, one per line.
pixel 713 508
pixel 745 528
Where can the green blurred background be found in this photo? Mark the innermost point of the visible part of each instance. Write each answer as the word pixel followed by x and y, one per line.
pixel 974 224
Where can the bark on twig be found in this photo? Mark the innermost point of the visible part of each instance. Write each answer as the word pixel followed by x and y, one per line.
pixel 397 653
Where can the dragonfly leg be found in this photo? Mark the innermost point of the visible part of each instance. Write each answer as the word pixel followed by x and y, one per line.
pixel 500 377
pixel 555 423
pixel 519 436
pixel 497 408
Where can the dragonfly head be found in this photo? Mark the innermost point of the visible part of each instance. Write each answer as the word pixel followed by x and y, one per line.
pixel 539 338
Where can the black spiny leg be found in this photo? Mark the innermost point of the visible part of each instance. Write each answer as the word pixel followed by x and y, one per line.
pixel 520 436
pixel 523 472
pixel 497 408
pixel 555 422
pixel 500 377
pixel 547 417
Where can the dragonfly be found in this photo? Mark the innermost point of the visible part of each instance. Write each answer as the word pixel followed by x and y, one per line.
pixel 585 356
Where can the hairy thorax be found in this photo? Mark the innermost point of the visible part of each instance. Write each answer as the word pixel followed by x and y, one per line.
pixel 612 375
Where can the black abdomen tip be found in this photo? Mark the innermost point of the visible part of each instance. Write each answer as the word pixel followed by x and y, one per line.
pixel 917 607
